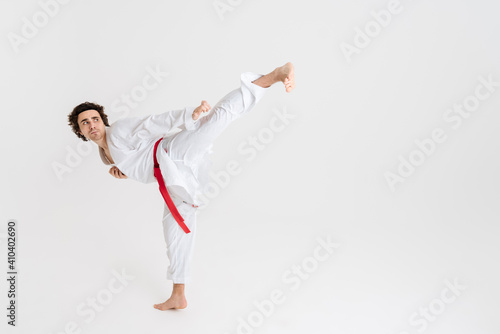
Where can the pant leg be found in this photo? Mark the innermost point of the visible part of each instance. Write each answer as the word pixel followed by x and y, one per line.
pixel 191 146
pixel 180 245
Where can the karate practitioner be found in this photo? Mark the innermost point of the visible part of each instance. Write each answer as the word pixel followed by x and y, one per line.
pixel 129 146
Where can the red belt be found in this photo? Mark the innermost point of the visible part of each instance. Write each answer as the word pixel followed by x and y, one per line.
pixel 164 192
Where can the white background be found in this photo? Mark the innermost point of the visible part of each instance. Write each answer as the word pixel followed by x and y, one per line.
pixel 322 176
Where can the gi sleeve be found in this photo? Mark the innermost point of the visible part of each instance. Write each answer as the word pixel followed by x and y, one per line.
pixel 170 120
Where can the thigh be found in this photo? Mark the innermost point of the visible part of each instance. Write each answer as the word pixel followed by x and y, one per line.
pixel 191 146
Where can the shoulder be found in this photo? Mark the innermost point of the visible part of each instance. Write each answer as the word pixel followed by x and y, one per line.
pixel 126 122
pixel 123 127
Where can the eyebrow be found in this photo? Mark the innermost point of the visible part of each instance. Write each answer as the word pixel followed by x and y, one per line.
pixel 86 119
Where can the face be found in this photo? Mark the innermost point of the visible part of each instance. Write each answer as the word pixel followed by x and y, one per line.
pixel 91 125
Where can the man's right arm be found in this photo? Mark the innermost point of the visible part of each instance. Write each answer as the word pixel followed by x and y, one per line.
pixel 117 173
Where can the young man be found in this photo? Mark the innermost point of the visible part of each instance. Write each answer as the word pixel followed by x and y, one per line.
pixel 138 149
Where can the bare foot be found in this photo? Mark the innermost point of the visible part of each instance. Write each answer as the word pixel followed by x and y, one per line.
pixel 174 302
pixel 286 74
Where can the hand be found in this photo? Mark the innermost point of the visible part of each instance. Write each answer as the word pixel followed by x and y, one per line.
pixel 117 173
pixel 204 107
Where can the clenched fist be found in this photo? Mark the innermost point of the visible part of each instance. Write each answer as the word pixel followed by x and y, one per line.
pixel 204 107
pixel 117 173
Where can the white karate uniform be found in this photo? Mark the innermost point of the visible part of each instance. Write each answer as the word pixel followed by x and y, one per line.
pixel 184 164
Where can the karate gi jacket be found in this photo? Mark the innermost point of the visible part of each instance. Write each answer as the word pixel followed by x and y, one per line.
pixel 131 143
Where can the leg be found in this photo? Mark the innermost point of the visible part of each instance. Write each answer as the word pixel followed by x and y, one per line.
pixel 190 146
pixel 180 248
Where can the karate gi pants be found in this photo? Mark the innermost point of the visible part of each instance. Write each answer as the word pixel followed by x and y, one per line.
pixel 190 147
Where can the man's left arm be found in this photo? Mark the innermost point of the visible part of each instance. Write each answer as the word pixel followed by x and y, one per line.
pixel 203 108
pixel 183 119
pixel 170 120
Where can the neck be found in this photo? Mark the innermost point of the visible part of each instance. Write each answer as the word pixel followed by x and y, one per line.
pixel 103 142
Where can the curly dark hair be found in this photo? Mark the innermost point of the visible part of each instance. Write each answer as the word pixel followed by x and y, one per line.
pixel 73 116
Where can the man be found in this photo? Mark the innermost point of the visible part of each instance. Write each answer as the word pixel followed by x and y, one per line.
pixel 138 149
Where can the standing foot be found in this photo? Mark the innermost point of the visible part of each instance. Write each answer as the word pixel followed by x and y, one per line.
pixel 174 302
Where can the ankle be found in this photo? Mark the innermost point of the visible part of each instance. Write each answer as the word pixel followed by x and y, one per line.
pixel 177 296
pixel 178 290
pixel 276 75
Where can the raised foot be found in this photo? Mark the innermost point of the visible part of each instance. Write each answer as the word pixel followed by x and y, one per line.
pixel 172 303
pixel 286 74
